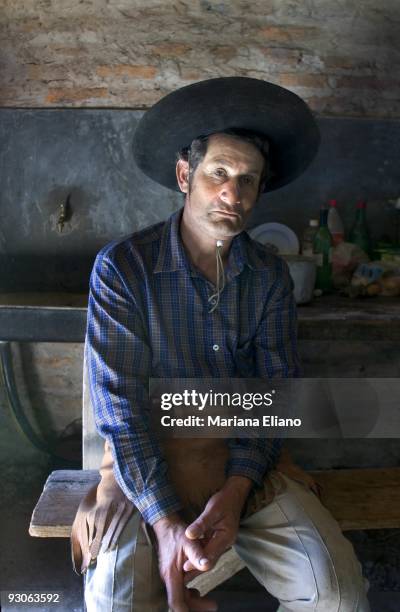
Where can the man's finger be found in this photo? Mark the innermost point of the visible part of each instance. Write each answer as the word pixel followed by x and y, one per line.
pixel 199 604
pixel 175 591
pixel 196 556
pixel 210 551
pixel 188 566
pixel 217 545
pixel 191 576
pixel 199 528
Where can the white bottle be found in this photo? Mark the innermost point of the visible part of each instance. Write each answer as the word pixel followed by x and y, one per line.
pixel 335 224
pixel 308 237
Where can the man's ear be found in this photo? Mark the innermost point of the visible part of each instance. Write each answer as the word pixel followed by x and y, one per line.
pixel 182 175
pixel 261 188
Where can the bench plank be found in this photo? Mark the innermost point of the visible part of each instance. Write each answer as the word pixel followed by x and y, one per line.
pixel 362 498
pixel 54 513
pixel 357 498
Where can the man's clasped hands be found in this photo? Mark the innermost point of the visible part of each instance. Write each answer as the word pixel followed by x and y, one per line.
pixel 184 551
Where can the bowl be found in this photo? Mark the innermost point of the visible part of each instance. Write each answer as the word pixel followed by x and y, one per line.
pixel 303 270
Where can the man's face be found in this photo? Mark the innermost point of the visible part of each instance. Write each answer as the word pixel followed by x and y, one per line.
pixel 224 187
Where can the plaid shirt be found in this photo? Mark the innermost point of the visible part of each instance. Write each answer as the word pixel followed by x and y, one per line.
pixel 148 316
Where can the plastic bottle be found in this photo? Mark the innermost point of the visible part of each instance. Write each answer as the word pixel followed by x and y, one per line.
pixel 359 233
pixel 307 241
pixel 323 254
pixel 335 224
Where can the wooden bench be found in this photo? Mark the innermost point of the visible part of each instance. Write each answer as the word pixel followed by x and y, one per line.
pixel 357 498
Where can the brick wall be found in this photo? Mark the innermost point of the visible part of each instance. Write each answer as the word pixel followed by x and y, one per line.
pixel 342 56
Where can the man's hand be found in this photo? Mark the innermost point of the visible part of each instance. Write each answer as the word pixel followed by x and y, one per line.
pixel 174 548
pixel 218 524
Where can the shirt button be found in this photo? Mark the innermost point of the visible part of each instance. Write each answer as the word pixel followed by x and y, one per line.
pixel 213 302
pixel 215 347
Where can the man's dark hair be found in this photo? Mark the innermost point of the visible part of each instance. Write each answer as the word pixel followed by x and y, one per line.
pixel 197 150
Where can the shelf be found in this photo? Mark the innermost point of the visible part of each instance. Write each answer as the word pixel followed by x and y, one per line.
pixel 44 299
pixel 56 317
pixel 342 318
pixel 43 317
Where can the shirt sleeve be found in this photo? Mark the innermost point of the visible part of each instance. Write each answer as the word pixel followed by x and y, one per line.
pixel 119 359
pixel 276 356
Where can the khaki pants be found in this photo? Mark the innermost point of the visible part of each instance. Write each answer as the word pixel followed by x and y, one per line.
pixel 293 547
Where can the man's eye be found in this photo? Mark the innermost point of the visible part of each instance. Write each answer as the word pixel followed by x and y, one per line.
pixel 248 180
pixel 219 172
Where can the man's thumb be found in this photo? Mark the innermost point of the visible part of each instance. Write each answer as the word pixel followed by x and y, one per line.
pixel 197 530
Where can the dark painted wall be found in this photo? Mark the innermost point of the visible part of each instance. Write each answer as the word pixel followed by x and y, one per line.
pixel 48 155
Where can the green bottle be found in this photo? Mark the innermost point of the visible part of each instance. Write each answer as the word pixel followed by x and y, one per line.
pixel 323 253
pixel 359 233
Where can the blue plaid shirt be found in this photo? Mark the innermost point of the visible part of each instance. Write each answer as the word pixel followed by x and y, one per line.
pixel 148 316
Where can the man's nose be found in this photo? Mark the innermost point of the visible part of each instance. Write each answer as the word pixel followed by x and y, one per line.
pixel 230 192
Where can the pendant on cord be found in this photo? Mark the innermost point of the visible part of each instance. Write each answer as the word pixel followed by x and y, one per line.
pixel 214 298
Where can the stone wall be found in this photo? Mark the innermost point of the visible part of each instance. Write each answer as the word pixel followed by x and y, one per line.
pixel 342 56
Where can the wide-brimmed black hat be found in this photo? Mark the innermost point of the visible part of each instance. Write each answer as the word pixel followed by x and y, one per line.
pixel 218 104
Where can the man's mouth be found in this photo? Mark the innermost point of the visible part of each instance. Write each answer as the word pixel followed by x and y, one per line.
pixel 227 213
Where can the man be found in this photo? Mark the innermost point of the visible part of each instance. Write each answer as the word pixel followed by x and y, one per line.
pixel 195 297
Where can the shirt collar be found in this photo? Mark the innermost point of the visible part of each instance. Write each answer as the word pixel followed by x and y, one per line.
pixel 257 258
pixel 244 251
pixel 172 256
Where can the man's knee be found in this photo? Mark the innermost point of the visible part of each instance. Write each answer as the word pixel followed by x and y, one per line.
pixel 332 589
pixel 319 585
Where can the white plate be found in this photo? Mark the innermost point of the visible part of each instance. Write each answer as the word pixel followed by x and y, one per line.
pixel 280 237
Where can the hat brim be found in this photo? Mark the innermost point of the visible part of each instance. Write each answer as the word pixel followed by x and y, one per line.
pixel 215 105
